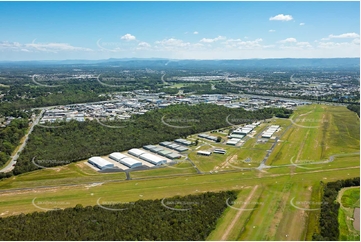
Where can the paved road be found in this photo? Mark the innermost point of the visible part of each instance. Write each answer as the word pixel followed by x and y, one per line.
pixel 14 158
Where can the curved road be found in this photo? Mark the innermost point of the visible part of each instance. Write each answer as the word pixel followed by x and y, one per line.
pixel 10 166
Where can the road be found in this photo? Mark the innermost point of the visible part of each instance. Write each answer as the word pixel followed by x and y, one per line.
pixel 14 158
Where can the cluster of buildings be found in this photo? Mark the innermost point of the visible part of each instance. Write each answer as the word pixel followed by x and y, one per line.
pixel 208 153
pixel 124 105
pixel 270 131
pixel 157 155
pixel 237 135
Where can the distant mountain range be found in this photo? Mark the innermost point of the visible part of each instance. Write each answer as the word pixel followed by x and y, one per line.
pixel 162 62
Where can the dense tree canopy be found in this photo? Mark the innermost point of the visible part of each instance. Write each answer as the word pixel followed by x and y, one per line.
pixel 179 218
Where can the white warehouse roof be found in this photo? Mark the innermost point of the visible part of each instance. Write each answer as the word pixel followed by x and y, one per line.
pixel 136 152
pixel 153 159
pixel 125 160
pixel 100 162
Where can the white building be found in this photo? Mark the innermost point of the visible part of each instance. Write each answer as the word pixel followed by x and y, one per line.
pixel 125 160
pixel 100 163
pixel 155 160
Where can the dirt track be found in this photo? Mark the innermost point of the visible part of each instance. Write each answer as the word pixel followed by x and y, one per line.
pixel 230 227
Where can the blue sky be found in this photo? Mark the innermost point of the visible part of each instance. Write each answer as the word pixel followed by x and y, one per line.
pixel 178 30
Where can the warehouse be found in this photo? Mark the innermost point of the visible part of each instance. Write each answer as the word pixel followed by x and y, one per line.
pixel 219 151
pixel 202 152
pixel 183 142
pixel 209 137
pixel 149 147
pixel 125 160
pixel 100 163
pixel 243 131
pixel 237 136
pixel 136 152
pixel 173 146
pixel 156 149
pixel 165 143
pixel 181 149
pixel 173 156
pixel 153 159
pixel 233 141
pixel 164 152
pixel 267 135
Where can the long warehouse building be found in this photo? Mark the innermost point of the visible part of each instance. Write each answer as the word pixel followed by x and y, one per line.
pixel 100 163
pixel 125 160
pixel 147 156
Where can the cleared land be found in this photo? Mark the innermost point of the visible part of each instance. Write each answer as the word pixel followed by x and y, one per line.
pixel 283 207
pixel 349 199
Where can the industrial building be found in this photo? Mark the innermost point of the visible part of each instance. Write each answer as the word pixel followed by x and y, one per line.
pixel 219 151
pixel 202 152
pixel 173 156
pixel 233 141
pixel 270 131
pixel 209 137
pixel 155 160
pixel 183 142
pixel 125 160
pixel 174 146
pixel 100 163
pixel 135 152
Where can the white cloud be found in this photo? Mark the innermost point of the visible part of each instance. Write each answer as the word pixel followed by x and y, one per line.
pixel 143 46
pixel 344 36
pixel 205 40
pixel 195 32
pixel 128 37
pixel 171 44
pixel 288 40
pixel 304 44
pixel 240 44
pixel 281 17
pixel 40 47
pixel 301 24
pixel 271 30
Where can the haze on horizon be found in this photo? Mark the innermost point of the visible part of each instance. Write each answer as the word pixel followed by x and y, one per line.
pixel 178 30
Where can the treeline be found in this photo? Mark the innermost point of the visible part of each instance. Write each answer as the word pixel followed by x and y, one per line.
pixel 10 137
pixel 355 108
pixel 74 141
pixel 188 218
pixel 328 223
pixel 202 89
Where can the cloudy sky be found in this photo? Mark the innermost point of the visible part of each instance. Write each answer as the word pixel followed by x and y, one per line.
pixel 178 30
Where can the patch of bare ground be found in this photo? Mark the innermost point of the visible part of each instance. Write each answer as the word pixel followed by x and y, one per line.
pixel 277 217
pixel 239 213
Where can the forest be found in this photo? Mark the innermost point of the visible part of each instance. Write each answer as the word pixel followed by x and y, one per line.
pixel 74 141
pixel 355 108
pixel 328 222
pixel 187 218
pixel 10 137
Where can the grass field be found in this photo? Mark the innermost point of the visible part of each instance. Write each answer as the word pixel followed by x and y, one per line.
pixel 272 204
pixel 182 168
pixel 320 131
pixel 349 199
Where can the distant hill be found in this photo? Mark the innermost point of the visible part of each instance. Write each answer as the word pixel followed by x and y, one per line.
pixel 214 64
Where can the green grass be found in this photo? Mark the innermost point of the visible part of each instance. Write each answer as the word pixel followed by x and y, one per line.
pixel 349 201
pixel 74 173
pixel 182 168
pixel 351 198
pixel 338 133
pixel 227 218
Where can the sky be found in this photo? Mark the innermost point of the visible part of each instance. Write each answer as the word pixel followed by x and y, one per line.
pixel 178 30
